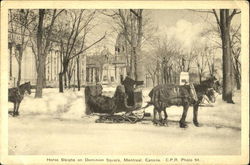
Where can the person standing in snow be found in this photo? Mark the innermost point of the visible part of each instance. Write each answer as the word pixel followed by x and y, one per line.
pixel 129 84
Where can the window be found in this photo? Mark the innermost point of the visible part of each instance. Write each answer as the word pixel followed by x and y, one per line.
pixel 184 80
pixel 105 78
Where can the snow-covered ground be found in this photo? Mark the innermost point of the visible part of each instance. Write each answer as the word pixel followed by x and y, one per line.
pixel 57 125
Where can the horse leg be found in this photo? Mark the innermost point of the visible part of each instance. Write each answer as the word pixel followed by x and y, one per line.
pixel 14 110
pixel 17 113
pixel 195 110
pixel 160 117
pixel 154 120
pixel 166 116
pixel 184 115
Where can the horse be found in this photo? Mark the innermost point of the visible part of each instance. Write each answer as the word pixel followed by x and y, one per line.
pixel 166 95
pixel 16 95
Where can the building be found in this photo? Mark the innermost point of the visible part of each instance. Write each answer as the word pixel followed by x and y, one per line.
pixel 108 68
pixel 103 67
pixel 28 67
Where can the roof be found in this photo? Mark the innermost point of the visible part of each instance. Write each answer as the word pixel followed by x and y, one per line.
pixel 99 60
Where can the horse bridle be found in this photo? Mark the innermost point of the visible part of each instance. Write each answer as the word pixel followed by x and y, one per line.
pixel 215 92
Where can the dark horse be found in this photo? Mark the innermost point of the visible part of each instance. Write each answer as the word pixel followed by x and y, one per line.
pixel 166 95
pixel 16 95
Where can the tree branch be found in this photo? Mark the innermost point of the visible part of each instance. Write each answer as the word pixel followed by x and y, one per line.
pixel 77 54
pixel 125 27
pixel 135 13
pixel 217 18
pixel 234 13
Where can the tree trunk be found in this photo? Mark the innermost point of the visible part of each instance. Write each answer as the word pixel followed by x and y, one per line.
pixel 167 72
pixel 200 77
pixel 139 71
pixel 237 79
pixel 61 82
pixel 237 76
pixel 158 78
pixel 127 59
pixel 227 60
pixel 69 80
pixel 153 79
pixel 164 76
pixel 213 70
pixel 65 80
pixel 175 78
pixel 44 77
pixel 40 55
pixel 78 75
pixel 132 64
pixel 19 72
pixel 133 48
pixel 170 75
pixel 74 84
pixel 10 47
pixel 40 77
pixel 20 55
pixel 238 84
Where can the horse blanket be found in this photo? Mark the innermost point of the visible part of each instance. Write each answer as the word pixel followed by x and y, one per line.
pixel 170 94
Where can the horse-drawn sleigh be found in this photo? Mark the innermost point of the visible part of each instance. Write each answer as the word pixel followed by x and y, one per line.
pixel 162 96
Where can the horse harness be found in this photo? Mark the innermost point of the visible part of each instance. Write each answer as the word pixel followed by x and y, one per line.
pixel 192 91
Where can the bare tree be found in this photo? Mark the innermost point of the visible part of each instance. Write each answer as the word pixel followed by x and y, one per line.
pixel 150 66
pixel 184 58
pixel 131 21
pixel 70 71
pixel 224 19
pixel 164 62
pixel 131 24
pixel 74 39
pixel 43 45
pixel 19 23
pixel 78 73
pixel 201 61
pixel 236 51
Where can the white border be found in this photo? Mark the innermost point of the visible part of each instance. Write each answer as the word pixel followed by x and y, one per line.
pixel 241 159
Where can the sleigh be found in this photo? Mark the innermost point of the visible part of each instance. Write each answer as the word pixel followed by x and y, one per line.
pixel 120 108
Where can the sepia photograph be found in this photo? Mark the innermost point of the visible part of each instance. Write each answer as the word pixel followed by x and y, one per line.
pixel 124 85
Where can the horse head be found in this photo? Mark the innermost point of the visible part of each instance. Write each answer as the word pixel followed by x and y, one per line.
pixel 213 83
pixel 210 93
pixel 27 87
pixel 217 87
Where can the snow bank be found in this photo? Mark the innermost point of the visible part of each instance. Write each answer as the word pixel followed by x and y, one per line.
pixel 69 104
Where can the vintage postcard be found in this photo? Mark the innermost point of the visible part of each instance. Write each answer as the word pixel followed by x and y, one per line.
pixel 124 82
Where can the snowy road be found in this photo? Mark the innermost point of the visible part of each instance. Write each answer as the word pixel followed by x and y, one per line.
pixel 56 125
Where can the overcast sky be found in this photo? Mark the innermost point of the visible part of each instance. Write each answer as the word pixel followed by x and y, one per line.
pixel 183 25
